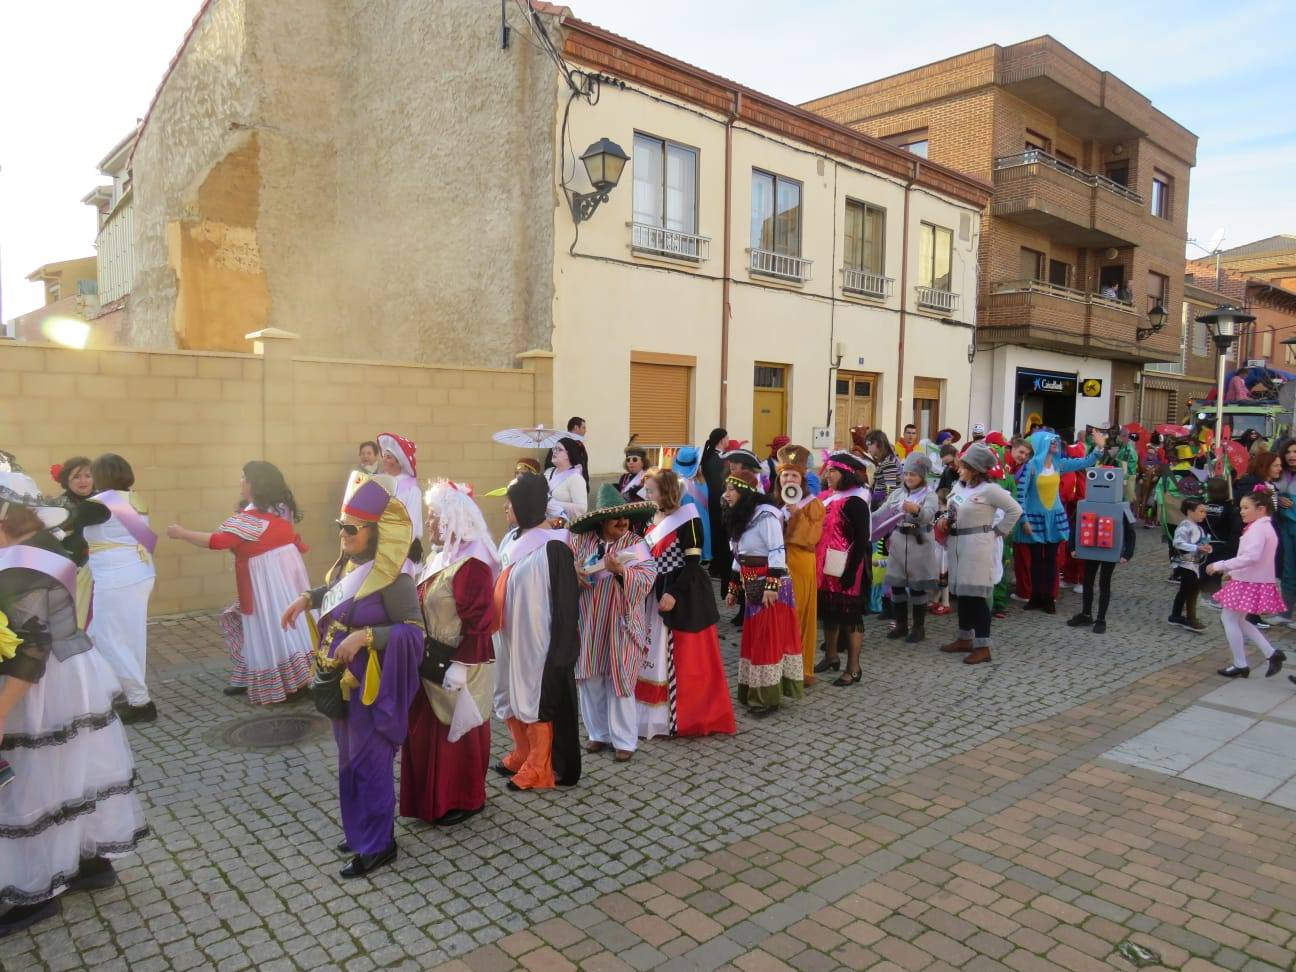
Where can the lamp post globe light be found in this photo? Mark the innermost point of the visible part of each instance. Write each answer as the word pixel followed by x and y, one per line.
pixel 1223 324
pixel 604 161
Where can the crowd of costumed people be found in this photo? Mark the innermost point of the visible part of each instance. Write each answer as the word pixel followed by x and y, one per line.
pixel 594 609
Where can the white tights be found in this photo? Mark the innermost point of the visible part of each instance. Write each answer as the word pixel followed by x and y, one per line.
pixel 1236 629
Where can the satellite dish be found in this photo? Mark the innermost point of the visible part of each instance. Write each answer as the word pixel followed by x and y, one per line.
pixel 1216 239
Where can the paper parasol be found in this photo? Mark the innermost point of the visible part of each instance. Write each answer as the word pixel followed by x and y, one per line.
pixel 532 438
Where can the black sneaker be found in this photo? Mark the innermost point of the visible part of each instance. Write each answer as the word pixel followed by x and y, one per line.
pixel 132 714
pixel 1177 619
pixel 95 873
pixel 24 916
pixel 1275 663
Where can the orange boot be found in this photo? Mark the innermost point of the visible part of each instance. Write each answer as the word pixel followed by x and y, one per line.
pixel 538 772
pixel 514 761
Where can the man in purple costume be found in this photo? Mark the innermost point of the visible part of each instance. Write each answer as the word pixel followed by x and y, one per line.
pixel 370 622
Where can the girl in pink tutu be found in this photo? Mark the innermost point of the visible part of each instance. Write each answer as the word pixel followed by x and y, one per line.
pixel 1251 586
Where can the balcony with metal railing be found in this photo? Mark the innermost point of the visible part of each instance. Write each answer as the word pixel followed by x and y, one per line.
pixel 933 298
pixel 1048 315
pixel 780 266
pixel 659 241
pixel 1073 206
pixel 864 283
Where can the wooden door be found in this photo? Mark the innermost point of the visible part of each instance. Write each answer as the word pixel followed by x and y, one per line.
pixel 769 404
pixel 854 404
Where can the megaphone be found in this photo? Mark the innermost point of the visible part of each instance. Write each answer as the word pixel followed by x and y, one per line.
pixel 792 494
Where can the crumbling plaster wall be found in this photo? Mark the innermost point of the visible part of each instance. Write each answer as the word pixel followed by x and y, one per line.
pixel 405 162
pixel 208 94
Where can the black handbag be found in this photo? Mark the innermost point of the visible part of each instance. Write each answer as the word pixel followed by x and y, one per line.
pixel 437 657
pixel 326 692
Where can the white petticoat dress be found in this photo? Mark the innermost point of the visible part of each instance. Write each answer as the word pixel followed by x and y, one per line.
pixel 73 792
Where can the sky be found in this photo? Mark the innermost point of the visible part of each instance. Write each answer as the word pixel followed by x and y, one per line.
pixel 75 75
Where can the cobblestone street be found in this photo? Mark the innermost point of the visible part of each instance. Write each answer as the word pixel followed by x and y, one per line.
pixel 934 816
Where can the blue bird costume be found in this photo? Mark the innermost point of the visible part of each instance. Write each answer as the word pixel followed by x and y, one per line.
pixel 1040 497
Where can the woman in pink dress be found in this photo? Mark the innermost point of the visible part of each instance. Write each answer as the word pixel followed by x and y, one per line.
pixel 1252 586
pixel 843 563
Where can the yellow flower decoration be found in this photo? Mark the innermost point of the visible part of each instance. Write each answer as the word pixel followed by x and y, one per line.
pixel 9 641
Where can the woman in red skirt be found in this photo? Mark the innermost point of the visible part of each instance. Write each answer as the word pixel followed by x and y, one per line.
pixel 681 689
pixel 769 661
pixel 445 757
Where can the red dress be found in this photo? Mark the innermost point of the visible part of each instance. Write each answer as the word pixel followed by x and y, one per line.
pixel 438 776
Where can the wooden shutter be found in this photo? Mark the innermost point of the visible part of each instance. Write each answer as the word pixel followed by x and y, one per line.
pixel 927 388
pixel 659 403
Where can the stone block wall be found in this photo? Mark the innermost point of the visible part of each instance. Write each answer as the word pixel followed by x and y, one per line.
pixel 188 421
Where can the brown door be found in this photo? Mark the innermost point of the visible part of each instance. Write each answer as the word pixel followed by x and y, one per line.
pixel 854 404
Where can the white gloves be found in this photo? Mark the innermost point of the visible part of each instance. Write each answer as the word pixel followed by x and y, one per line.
pixel 466 716
pixel 456 677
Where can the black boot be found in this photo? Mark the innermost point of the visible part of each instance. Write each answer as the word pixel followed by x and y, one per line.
pixel 901 611
pixel 919 632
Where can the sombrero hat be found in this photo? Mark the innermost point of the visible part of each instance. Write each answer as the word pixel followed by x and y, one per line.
pixel 611 505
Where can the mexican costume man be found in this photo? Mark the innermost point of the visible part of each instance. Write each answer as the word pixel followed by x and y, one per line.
pixel 537 645
pixel 617 572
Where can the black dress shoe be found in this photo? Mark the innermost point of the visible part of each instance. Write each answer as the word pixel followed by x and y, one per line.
pixel 828 666
pixel 94 874
pixel 1234 672
pixel 235 690
pixel 455 817
pixel 1081 620
pixel 1100 627
pixel 503 770
pixel 132 714
pixel 1275 663
pixel 1049 607
pixel 344 847
pixel 363 864
pixel 24 916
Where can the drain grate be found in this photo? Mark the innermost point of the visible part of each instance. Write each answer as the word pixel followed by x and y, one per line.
pixel 273 731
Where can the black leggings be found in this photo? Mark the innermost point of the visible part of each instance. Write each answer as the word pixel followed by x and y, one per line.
pixel 1043 558
pixel 1103 571
pixel 974 616
pixel 1189 588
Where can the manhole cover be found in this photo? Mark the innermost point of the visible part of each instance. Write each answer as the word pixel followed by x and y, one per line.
pixel 273 731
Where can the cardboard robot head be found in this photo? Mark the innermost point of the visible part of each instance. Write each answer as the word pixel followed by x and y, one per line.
pixel 1105 484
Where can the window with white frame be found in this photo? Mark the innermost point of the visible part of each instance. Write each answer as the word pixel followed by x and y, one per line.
pixel 665 184
pixel 935 256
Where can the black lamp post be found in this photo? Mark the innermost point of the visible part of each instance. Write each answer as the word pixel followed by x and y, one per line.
pixel 1223 323
pixel 604 161
pixel 1156 320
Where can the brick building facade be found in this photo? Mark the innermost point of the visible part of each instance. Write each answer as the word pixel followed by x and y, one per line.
pixel 1090 197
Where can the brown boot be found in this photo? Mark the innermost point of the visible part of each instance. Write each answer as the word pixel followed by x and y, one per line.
pixel 957 645
pixel 977 656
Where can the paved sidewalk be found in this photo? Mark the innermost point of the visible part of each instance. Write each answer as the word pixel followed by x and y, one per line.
pixel 935 813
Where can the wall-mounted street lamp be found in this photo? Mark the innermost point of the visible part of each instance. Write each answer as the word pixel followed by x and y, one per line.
pixel 1223 323
pixel 604 161
pixel 1156 320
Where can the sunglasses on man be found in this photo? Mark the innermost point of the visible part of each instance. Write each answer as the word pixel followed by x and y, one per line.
pixel 350 529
